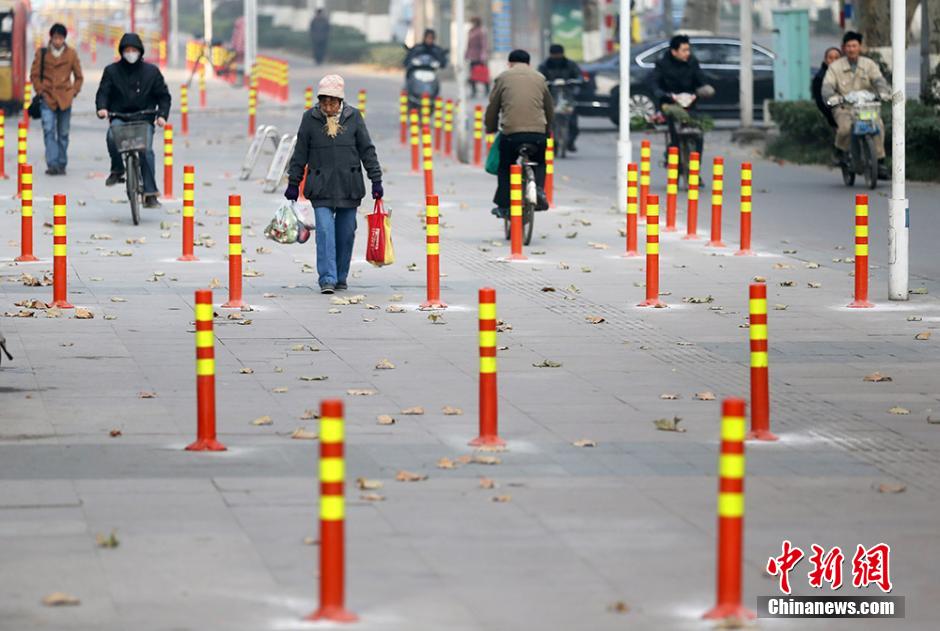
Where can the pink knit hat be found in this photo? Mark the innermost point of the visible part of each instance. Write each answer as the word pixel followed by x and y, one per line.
pixel 332 85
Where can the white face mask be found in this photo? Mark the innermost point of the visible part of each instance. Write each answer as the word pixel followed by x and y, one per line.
pixel 131 56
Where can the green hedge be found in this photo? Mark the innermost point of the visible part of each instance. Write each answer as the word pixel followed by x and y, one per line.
pixel 806 138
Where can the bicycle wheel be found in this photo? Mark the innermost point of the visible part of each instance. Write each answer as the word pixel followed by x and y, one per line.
pixel 132 176
pixel 685 149
pixel 560 133
pixel 528 206
pixel 507 226
pixel 871 162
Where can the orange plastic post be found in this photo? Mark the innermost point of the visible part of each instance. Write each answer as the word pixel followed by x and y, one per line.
pixel 861 253
pixel 202 85
pixel 515 213
pixel 631 210
pixel 27 101
pixel 189 196
pixel 168 161
pixel 402 115
pixel 308 97
pixel 433 237
pixel 21 132
pixel 691 212
pixel 362 102
pixel 205 376
pixel 3 142
pixel 652 253
pixel 645 153
pixel 550 170
pixel 415 153
pixel 428 164
pixel 477 135
pixel 59 264
pixel 184 109
pixel 760 378
pixel 234 253
pixel 332 516
pixel 93 44
pixel 26 215
pixel 672 187
pixel 438 122
pixel 730 515
pixel 449 127
pixel 425 109
pixel 745 211
pixel 718 187
pixel 489 403
pixel 252 110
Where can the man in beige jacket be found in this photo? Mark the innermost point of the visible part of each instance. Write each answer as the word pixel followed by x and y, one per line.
pixel 848 74
pixel 56 76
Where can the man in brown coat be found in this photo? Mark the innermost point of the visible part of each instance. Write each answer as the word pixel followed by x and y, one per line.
pixel 56 76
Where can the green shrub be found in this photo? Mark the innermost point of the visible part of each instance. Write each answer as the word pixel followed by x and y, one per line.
pixel 386 55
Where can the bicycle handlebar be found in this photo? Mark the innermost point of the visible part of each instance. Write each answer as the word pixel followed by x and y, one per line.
pixel 131 116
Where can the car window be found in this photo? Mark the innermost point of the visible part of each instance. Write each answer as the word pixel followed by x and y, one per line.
pixel 707 53
pixel 651 56
pixel 762 59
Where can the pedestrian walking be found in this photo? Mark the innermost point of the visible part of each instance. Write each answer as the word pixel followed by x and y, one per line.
pixel 56 75
pixel 478 55
pixel 319 35
pixel 334 146
pixel 829 57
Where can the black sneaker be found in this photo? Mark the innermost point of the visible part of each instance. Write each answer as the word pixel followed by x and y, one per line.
pixel 52 171
pixel 114 178
pixel 151 201
pixel 341 286
pixel 572 148
pixel 502 213
pixel 327 289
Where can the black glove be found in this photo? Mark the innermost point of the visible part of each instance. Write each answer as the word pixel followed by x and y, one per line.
pixel 292 192
pixel 377 191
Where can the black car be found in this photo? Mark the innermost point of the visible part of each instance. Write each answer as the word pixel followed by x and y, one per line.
pixel 719 57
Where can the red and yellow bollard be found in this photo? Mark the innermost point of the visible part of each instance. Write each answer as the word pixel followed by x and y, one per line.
pixel 189 212
pixel 861 253
pixel 489 402
pixel 477 135
pixel 550 170
pixel 515 213
pixel 730 549
pixel 21 135
pixel 402 115
pixel 652 253
pixel 202 85
pixel 415 153
pixel 438 122
pixel 362 102
pixel 26 215
pixel 645 153
pixel 449 128
pixel 631 210
pixel 184 109
pixel 425 109
pixel 745 211
pixel 332 515
pixel 718 187
pixel 760 377
pixel 252 110
pixel 234 253
pixel 691 211
pixel 59 262
pixel 27 101
pixel 489 138
pixel 428 163
pixel 168 161
pixel 93 46
pixel 205 376
pixel 161 53
pixel 308 97
pixel 3 142
pixel 672 187
pixel 433 237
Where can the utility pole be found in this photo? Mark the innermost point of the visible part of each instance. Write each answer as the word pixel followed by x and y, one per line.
pixel 174 33
pixel 207 21
pixel 460 72
pixel 251 34
pixel 132 10
pixel 924 52
pixel 624 146
pixel 898 213
pixel 667 18
pixel 747 67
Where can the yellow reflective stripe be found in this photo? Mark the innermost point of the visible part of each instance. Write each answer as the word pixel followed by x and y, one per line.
pixel 515 210
pixel 487 310
pixel 861 249
pixel 58 249
pixel 204 339
pixel 58 230
pixel 652 209
pixel 733 428
pixel 861 211
pixel 234 249
pixel 235 229
pixel 331 430
pixel 168 160
pixel 731 466
pixel 730 504
pixel 645 180
pixel 652 248
pixel 758 306
pixel 58 210
pixel 434 249
pixel 549 168
pixel 515 195
pixel 746 190
pixel 205 367
pixel 203 312
pixel 332 507
pixel 694 166
pixel 652 229
pixel 27 194
pixel 645 152
pixel 434 229
pixel 672 189
pixel 631 208
pixel 716 199
pixel 745 207
pixel 718 169
pixel 693 194
pixel 332 470
pixel 487 365
pixel 428 165
pixel 234 211
pixel 861 231
pixel 27 178
pixel 487 339
pixel 432 211
pixel 758 331
pixel 188 211
pixel 759 359
pixel 28 212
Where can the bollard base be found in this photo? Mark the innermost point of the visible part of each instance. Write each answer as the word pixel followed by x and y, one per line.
pixel 670 229
pixel 517 257
pixel 62 304
pixel 234 304
pixel 333 613
pixel 188 257
pixel 715 244
pixel 26 258
pixel 761 434
pixel 206 444
pixel 860 304
pixel 429 305
pixel 655 302
pixel 629 254
pixel 721 612
pixel 745 253
pixel 487 441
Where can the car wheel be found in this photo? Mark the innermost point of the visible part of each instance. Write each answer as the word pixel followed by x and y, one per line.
pixel 641 104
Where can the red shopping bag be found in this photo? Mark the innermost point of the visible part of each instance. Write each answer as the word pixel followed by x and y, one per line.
pixel 379 249
pixel 479 73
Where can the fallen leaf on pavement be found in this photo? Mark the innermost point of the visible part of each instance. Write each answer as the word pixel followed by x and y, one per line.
pixel 759 279
pixel 385 419
pixel 408 476
pixel 372 497
pixel 704 396
pixel 585 269
pixel 563 266
pixel 571 235
pixel 263 420
pixel 812 265
pixel 246 371
pixel 788 283
pixel 451 411
pixel 147 395
pixel 279 390
pixel 595 319
pixel 115 433
pixel 618 607
pixel 698 300
pixel 314 377
pixel 339 300
pixel 780 307
pixel 814 285
pixel 394 309
pixel 483 459
pixel 396 298
pixel 877 377
pixel 487 483
pixel 919 291
pixel 890 487
pixel 83 314
pixel 502 499
pixel 310 541
pixel 302 433
pixel 107 541
pixel 669 424
pixel 899 410
pixel 416 410
pixel 584 442
pixel 548 289
pixel 309 415
pixel 250 273
pixel 547 363
pixel 60 599
pixel 436 318
pixel 384 364
pixel 446 463
pixel 360 392
pixel 925 335
pixel 365 484
pixel 669 396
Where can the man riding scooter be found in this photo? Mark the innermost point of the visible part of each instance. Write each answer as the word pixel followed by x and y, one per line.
pixel 422 63
pixel 557 66
pixel 677 73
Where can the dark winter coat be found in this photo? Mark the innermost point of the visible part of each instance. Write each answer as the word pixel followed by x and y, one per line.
pixel 816 90
pixel 562 68
pixel 334 165
pixel 671 76
pixel 133 87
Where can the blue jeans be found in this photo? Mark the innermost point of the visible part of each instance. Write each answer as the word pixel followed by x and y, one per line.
pixel 55 131
pixel 336 232
pixel 146 165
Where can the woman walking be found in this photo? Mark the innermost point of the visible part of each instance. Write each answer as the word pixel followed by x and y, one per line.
pixel 334 146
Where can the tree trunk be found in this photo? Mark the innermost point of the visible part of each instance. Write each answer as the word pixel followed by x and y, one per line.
pixel 874 21
pixel 930 80
pixel 591 37
pixel 701 15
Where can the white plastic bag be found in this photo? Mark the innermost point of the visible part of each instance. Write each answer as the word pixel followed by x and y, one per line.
pixel 284 227
pixel 304 214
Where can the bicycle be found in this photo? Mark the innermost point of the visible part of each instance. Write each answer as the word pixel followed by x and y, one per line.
pixel 529 194
pixel 130 140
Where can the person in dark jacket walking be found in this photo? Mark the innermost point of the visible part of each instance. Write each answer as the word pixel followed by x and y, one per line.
pixel 557 66
pixel 334 146
pixel 319 35
pixel 133 85
pixel 830 56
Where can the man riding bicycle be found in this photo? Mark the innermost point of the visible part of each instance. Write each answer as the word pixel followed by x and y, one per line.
pixel 677 72
pixel 557 66
pixel 522 106
pixel 133 85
